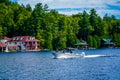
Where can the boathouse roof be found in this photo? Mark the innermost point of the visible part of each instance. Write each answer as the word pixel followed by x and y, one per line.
pixel 81 44
pixel 23 38
pixel 107 41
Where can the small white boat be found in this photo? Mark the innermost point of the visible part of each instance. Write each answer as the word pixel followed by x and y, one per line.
pixel 67 55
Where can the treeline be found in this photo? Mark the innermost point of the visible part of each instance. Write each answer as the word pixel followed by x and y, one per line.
pixel 56 30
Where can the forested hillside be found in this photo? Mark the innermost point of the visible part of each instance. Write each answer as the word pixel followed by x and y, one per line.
pixel 56 30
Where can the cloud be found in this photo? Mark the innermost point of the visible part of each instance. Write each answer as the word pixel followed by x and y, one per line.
pixel 102 6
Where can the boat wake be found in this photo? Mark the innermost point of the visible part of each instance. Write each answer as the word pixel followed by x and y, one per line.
pixel 93 56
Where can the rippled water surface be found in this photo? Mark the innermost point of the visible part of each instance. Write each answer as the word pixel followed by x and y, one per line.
pixel 42 66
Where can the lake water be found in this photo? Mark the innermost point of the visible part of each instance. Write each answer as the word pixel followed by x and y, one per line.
pixel 42 66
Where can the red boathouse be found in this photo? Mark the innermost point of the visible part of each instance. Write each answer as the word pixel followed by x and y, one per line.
pixel 24 43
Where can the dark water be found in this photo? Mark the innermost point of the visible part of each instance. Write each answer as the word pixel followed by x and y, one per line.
pixel 42 66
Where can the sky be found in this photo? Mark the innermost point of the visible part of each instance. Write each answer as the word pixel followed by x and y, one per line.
pixel 69 7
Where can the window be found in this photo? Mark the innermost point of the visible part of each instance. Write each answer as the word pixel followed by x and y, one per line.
pixel 30 42
pixel 33 42
pixel 25 42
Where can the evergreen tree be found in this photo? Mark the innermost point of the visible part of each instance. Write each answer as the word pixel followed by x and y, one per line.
pixel 55 30
pixel 5 1
pixel 48 40
pixel 98 41
pixel 90 41
pixel 86 29
pixel 1 32
pixel 94 43
pixel 28 7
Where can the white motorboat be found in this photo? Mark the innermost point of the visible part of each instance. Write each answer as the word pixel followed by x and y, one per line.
pixel 74 55
pixel 67 55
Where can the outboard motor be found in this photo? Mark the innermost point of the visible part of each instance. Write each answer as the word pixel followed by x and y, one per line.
pixel 54 54
pixel 82 54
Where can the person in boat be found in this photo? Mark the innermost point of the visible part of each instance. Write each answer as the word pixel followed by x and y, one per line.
pixel 63 50
pixel 67 50
pixel 57 50
pixel 70 51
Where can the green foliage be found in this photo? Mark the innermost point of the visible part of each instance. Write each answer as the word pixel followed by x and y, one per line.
pixel 71 39
pixel 90 41
pixel 45 7
pixel 1 33
pixel 98 41
pixel 5 1
pixel 56 30
pixel 116 39
pixel 28 7
pixel 86 29
pixel 94 41
pixel 48 40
